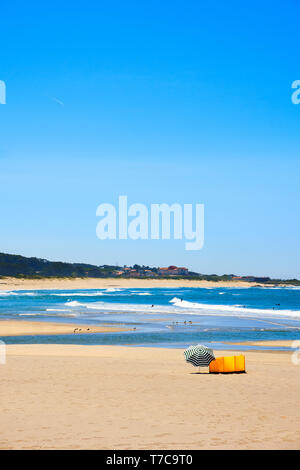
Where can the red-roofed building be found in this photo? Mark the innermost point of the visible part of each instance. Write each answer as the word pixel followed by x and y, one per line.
pixel 173 271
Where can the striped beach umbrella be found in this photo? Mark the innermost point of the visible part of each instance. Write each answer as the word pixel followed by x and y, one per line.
pixel 199 356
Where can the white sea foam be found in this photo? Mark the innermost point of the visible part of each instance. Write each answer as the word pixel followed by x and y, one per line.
pixel 57 310
pixel 185 307
pixel 78 294
pixel 7 293
pixel 106 307
pixel 74 303
pixel 112 289
pixel 239 309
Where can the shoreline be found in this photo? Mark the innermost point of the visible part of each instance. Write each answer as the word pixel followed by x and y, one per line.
pixel 109 397
pixel 10 283
pixel 11 328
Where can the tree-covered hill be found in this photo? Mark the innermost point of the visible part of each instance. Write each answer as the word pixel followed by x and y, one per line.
pixel 20 266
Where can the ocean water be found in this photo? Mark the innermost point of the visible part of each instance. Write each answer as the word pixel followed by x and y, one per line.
pixel 164 317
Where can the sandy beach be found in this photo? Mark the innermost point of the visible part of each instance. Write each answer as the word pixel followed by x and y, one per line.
pixel 23 328
pixel 112 397
pixel 62 396
pixel 10 283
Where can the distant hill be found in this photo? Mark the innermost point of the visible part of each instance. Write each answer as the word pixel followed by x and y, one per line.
pixel 20 266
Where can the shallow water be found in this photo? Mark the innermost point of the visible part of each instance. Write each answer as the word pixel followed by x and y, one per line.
pixel 167 317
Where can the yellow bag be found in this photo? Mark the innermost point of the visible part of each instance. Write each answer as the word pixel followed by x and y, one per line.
pixel 239 362
pixel 227 364
pixel 217 365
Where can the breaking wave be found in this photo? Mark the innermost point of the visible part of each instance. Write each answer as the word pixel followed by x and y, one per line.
pixel 184 304
pixel 6 293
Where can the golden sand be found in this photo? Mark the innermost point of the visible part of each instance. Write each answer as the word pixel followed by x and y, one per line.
pixel 10 283
pixel 113 397
pixel 23 328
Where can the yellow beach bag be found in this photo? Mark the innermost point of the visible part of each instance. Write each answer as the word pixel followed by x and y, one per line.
pixel 227 364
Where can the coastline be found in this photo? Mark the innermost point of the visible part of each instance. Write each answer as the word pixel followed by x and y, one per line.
pixel 10 283
pixel 50 328
pixel 112 397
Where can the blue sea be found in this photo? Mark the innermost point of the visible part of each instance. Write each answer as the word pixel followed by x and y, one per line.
pixel 163 317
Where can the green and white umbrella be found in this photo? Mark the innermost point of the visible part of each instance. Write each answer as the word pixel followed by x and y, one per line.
pixel 199 355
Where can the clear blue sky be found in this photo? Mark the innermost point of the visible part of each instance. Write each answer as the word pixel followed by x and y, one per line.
pixel 164 102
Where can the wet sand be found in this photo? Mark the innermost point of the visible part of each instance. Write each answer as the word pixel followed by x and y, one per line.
pixel 23 328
